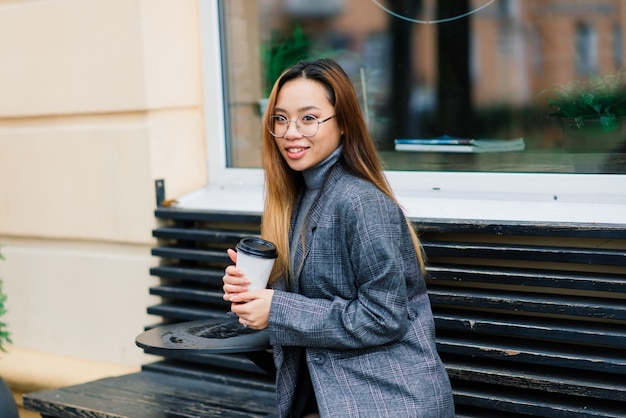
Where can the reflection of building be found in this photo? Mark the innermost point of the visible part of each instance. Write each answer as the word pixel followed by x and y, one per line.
pixel 523 47
pixel 518 47
pixel 578 37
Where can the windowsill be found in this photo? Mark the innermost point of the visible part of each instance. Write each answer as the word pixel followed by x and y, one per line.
pixel 448 198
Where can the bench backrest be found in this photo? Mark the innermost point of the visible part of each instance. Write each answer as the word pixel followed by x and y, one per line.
pixel 531 317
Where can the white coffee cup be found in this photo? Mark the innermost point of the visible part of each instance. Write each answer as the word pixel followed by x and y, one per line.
pixel 255 258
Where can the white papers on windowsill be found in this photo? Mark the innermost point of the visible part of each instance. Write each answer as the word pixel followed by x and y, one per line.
pixel 452 144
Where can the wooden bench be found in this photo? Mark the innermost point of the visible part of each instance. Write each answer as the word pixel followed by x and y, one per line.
pixel 531 321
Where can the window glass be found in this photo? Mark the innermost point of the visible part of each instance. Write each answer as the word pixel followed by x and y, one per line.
pixel 450 85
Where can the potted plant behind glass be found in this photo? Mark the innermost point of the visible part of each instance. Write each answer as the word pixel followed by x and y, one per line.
pixel 279 53
pixel 591 111
pixel 8 406
pixel 283 51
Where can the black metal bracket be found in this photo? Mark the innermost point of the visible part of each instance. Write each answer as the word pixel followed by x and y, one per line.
pixel 159 188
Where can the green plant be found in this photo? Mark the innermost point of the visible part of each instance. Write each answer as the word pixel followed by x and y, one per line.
pixel 595 97
pixel 281 52
pixel 4 333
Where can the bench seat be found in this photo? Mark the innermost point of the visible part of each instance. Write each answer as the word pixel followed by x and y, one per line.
pixel 159 392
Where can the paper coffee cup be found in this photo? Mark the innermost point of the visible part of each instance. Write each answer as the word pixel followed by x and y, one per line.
pixel 255 258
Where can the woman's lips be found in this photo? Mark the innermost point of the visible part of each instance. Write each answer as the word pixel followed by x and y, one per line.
pixel 296 152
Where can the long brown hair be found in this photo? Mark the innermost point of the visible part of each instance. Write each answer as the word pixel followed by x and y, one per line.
pixel 359 155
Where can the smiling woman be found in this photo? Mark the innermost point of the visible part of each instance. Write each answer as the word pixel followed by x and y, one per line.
pixel 349 263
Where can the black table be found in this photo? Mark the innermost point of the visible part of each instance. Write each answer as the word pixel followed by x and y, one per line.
pixel 215 335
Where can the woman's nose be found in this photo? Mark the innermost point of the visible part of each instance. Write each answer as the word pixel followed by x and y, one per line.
pixel 292 131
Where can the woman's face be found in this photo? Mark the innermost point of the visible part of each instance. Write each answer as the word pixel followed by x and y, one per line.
pixel 303 98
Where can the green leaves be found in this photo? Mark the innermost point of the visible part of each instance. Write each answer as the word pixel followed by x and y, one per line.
pixel 4 333
pixel 597 97
pixel 281 53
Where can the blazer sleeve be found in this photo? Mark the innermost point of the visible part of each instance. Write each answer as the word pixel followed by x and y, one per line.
pixel 358 259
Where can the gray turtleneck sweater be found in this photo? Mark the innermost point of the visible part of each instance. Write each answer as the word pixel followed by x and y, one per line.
pixel 313 180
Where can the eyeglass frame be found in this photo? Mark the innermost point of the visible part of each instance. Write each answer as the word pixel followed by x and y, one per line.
pixel 288 121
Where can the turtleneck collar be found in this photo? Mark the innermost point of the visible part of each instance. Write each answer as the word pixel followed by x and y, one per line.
pixel 314 176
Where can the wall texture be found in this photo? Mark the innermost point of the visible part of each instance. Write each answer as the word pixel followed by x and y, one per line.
pixel 97 100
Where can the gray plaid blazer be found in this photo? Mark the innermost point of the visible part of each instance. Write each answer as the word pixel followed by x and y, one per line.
pixel 358 307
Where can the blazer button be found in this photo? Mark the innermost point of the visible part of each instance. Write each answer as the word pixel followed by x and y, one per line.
pixel 319 359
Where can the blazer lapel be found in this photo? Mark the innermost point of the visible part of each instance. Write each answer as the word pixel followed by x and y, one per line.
pixel 311 223
pixel 297 256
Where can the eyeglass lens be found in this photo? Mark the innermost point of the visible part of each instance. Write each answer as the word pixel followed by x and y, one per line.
pixel 307 125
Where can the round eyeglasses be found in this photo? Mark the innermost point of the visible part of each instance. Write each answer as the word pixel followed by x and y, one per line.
pixel 307 125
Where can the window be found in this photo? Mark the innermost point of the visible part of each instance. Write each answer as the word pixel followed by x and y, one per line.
pixel 422 80
pixel 586 49
pixel 618 45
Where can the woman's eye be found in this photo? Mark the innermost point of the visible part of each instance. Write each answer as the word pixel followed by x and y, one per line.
pixel 280 119
pixel 308 118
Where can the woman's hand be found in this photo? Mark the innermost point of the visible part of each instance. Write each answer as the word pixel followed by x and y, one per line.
pixel 234 281
pixel 252 308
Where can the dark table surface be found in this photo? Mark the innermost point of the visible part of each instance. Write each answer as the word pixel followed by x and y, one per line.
pixel 221 335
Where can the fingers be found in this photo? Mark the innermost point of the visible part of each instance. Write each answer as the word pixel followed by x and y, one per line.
pixel 232 254
pixel 233 271
pixel 254 323
pixel 251 314
pixel 254 299
pixel 238 298
pixel 231 290
pixel 234 282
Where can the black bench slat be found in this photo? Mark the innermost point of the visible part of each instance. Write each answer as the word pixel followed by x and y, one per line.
pixel 427 225
pixel 551 304
pixel 217 216
pixel 527 253
pixel 519 228
pixel 526 277
pixel 148 395
pixel 232 361
pixel 546 329
pixel 548 379
pixel 536 353
pixel 215 236
pixel 504 402
pixel 185 312
pixel 466 411
pixel 188 273
pixel 236 366
pixel 191 254
pixel 190 293
pixel 251 378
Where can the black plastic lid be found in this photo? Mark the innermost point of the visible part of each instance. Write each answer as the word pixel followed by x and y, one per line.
pixel 257 247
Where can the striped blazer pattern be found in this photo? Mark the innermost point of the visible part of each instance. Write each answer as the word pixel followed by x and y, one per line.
pixel 358 308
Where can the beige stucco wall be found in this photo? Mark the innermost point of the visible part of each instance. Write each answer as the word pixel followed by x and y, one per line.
pixel 97 100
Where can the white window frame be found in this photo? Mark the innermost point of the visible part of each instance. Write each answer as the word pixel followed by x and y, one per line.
pixel 579 198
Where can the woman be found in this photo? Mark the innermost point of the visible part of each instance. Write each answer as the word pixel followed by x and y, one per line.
pixel 347 312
